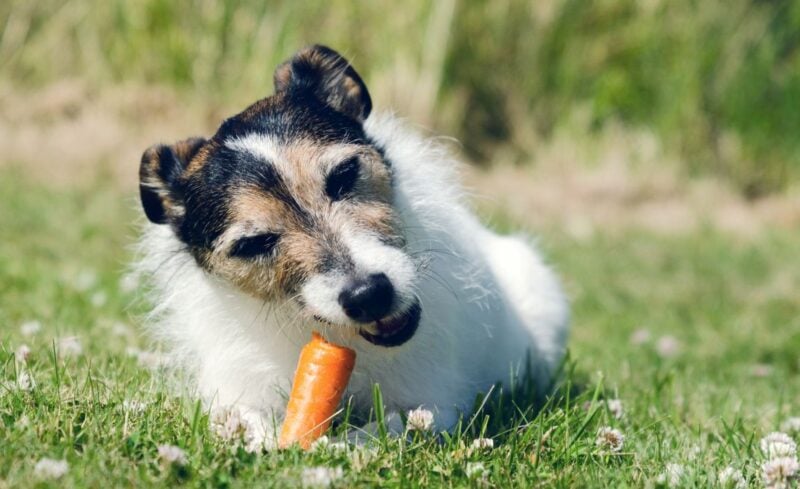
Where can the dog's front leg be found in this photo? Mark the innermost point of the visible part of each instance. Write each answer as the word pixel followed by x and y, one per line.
pixel 371 431
pixel 439 421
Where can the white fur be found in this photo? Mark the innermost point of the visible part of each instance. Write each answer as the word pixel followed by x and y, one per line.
pixel 488 303
pixel 262 146
pixel 269 149
pixel 371 256
pixel 321 293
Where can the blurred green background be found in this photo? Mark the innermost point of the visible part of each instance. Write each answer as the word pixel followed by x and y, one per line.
pixel 716 82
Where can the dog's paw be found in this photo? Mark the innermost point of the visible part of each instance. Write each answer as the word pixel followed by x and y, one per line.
pixel 370 432
pixel 261 437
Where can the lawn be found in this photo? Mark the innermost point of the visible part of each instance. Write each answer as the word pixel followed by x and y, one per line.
pixel 697 335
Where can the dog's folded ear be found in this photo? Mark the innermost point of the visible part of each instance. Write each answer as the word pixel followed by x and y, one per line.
pixel 159 179
pixel 323 73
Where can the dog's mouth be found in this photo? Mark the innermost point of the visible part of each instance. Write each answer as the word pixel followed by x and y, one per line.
pixel 389 332
pixel 396 330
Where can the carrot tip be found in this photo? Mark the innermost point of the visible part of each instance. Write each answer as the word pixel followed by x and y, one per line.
pixel 322 374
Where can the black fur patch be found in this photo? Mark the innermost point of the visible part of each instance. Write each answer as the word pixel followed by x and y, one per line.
pixel 303 108
pixel 159 173
pixel 342 179
pixel 208 190
pixel 322 73
pixel 151 203
pixel 253 246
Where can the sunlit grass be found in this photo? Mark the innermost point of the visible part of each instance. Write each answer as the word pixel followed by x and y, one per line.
pixel 729 306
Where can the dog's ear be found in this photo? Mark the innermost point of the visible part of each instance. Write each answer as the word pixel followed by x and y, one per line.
pixel 159 173
pixel 324 74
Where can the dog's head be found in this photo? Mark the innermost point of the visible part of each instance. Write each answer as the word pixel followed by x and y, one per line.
pixel 291 201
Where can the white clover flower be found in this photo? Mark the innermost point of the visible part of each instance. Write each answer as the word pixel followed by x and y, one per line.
pixel 779 472
pixel 257 440
pixel 791 425
pixel 24 381
pixel 22 422
pixel 324 443
pixel 228 423
pixel 151 360
pixel 694 452
pixel 320 476
pixel 170 454
pixel 475 469
pixel 616 408
pixel 338 446
pixel 120 329
pixel 134 406
pixel 760 370
pixel 85 280
pixel 70 346
pixel 23 353
pixel 129 282
pixel 668 346
pixel 233 425
pixel 641 336
pixel 320 443
pixel 419 420
pixel 254 444
pixel 609 439
pixel 361 456
pixel 777 445
pixel 731 478
pixel 98 299
pixel 30 328
pixel 482 444
pixel 48 468
pixel 672 476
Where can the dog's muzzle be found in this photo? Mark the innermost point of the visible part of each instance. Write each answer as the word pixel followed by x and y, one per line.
pixel 368 301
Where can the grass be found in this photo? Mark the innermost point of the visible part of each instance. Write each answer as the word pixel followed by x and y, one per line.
pixel 731 305
pixel 714 80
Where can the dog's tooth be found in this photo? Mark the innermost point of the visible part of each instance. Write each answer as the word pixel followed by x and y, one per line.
pixel 371 329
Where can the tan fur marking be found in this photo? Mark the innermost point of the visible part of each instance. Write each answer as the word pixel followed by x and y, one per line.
pixel 283 75
pixel 185 150
pixel 305 241
pixel 257 207
pixel 379 218
pixel 199 161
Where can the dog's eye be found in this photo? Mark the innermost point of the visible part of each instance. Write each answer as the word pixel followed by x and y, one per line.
pixel 252 246
pixel 342 179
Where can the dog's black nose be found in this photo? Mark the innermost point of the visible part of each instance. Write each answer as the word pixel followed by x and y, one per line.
pixel 367 299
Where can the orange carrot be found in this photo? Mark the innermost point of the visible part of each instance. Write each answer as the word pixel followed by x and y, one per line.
pixel 321 377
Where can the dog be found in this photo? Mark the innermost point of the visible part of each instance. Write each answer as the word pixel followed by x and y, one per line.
pixel 307 211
